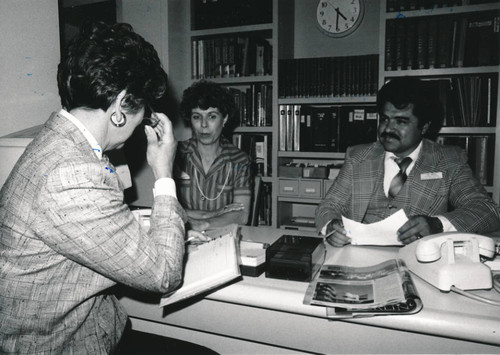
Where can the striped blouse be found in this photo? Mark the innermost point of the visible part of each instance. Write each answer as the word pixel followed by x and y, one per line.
pixel 229 176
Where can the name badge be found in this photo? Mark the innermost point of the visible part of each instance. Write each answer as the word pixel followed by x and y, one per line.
pixel 431 176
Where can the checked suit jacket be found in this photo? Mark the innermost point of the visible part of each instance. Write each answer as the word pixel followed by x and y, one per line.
pixel 66 237
pixel 440 183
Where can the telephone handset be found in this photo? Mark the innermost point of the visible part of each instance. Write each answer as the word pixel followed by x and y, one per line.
pixel 451 259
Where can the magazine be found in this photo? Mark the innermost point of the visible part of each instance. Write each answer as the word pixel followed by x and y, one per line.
pixel 385 288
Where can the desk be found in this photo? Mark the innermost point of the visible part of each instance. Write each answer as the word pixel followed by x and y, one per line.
pixel 263 315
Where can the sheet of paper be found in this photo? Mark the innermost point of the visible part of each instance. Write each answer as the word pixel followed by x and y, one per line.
pixel 378 233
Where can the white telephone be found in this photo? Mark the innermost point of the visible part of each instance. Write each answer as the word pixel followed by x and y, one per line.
pixel 451 259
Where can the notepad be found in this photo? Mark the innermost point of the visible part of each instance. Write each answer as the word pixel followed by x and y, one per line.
pixel 208 266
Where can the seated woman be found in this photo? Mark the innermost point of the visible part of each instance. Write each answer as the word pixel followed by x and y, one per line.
pixel 213 176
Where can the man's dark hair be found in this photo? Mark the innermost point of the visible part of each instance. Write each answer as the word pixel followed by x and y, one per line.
pixel 205 94
pixel 403 91
pixel 101 61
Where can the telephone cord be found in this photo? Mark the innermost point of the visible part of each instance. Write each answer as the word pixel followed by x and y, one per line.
pixel 475 297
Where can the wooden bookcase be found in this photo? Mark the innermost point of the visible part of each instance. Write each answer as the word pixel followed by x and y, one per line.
pixel 449 65
pixel 276 34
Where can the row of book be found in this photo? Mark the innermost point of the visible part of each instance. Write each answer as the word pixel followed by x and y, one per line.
pixel 224 13
pixel 480 151
pixel 465 40
pixel 331 128
pixel 467 100
pixel 258 147
pixel 264 204
pixel 328 76
pixel 254 105
pixel 230 56
pixel 409 5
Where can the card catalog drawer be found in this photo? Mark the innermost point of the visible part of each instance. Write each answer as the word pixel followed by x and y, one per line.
pixel 289 187
pixel 310 188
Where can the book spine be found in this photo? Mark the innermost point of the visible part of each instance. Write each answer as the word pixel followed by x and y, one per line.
pixel 282 127
pixel 296 128
pixel 289 127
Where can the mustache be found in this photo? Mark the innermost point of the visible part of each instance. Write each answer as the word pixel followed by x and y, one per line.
pixel 389 135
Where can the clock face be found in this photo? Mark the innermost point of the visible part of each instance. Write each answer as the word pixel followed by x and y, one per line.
pixel 338 18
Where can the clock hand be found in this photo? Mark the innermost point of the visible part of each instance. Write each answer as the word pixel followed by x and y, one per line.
pixel 337 23
pixel 340 13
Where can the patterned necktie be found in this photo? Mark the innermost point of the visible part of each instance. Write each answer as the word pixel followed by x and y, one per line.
pixel 400 178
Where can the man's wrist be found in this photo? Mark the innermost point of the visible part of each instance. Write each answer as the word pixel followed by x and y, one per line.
pixel 436 225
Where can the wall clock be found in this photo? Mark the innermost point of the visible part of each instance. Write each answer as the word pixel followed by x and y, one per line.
pixel 339 18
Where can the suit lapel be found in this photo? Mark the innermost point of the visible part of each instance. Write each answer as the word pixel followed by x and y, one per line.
pixel 367 173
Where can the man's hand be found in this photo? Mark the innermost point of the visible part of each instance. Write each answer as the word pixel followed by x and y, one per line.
pixel 161 147
pixel 338 237
pixel 417 227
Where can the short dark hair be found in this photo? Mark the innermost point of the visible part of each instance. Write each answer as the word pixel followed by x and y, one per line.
pixel 205 94
pixel 403 91
pixel 104 59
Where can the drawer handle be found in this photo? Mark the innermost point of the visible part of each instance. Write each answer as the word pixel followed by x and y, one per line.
pixel 310 190
pixel 288 188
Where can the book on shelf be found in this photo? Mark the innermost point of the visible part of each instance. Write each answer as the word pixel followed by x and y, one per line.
pixel 208 265
pixel 231 56
pixel 443 41
pixel 328 76
pixel 258 148
pixel 296 128
pixel 482 43
pixel 253 104
pixel 351 292
pixel 305 131
pixel 282 127
pixel 324 128
pixel 357 125
pixel 289 127
pixel 480 152
pixel 432 32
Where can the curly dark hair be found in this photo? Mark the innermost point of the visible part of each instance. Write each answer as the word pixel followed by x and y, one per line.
pixel 403 91
pixel 205 94
pixel 101 61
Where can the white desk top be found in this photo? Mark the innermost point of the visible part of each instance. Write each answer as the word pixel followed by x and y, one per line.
pixel 444 314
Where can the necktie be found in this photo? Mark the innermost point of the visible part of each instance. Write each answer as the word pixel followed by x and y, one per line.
pixel 400 178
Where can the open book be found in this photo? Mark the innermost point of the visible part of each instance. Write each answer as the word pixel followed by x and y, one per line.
pixel 208 265
pixel 385 288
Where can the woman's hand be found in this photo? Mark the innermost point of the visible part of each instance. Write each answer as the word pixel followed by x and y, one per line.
pixel 196 237
pixel 161 147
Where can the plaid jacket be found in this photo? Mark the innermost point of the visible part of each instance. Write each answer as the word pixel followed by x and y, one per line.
pixel 440 183
pixel 65 238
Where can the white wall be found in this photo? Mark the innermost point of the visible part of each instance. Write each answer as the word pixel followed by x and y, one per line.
pixel 30 53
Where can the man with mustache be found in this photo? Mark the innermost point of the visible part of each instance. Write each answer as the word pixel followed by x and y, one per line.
pixel 435 187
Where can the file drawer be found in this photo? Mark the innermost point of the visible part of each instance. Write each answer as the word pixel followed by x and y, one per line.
pixel 310 188
pixel 289 187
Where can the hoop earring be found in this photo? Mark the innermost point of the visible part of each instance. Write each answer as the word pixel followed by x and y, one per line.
pixel 119 123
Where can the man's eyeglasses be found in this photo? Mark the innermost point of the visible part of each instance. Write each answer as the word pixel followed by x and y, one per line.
pixel 150 117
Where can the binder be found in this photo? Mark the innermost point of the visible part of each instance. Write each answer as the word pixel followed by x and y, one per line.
pixel 208 265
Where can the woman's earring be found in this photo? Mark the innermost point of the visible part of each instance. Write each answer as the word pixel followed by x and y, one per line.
pixel 119 123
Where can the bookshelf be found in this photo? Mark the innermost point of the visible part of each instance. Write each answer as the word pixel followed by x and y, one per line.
pixel 322 103
pixel 460 46
pixel 227 51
